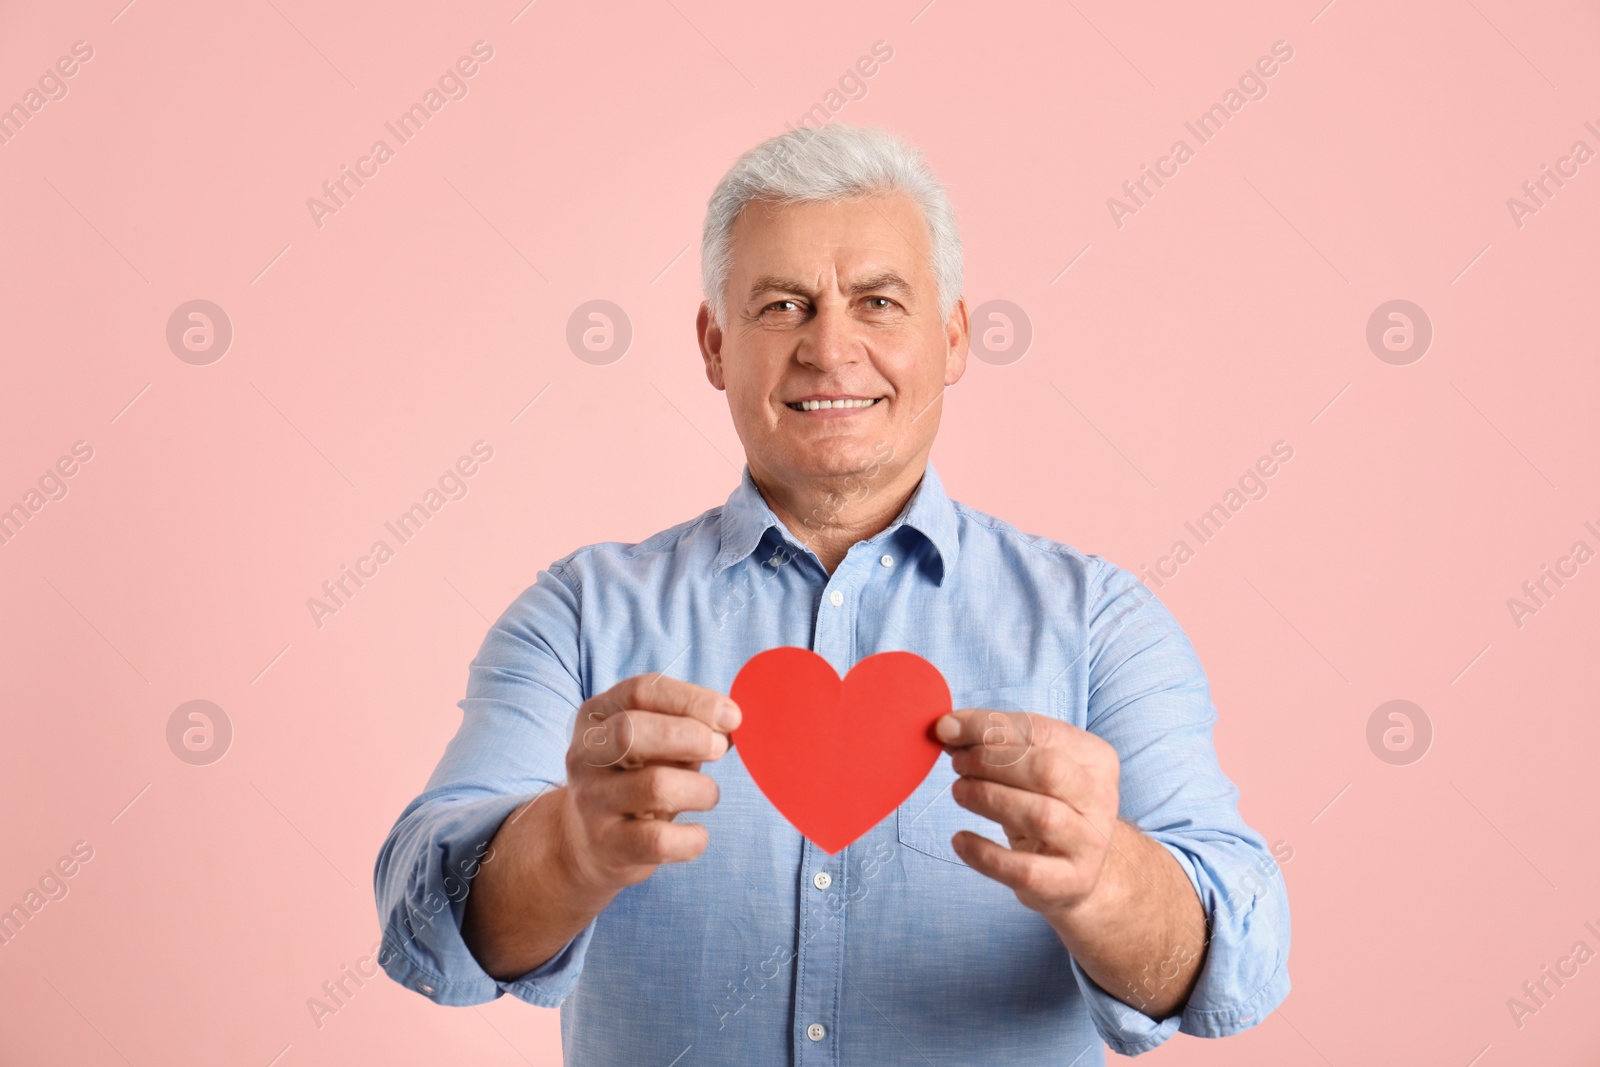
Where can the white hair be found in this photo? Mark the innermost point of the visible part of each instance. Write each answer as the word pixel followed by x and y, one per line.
pixel 833 163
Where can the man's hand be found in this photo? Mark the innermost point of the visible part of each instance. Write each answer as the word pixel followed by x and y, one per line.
pixel 1117 899
pixel 1051 786
pixel 633 765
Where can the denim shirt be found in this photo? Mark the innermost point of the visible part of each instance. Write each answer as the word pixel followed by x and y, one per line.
pixel 904 954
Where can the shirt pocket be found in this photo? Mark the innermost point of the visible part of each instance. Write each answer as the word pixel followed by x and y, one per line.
pixel 930 816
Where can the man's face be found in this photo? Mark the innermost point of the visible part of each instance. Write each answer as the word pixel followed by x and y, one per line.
pixel 834 356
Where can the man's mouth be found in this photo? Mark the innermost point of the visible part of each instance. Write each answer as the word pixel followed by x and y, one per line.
pixel 828 405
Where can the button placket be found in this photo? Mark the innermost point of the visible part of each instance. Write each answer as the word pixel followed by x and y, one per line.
pixel 819 966
pixel 833 633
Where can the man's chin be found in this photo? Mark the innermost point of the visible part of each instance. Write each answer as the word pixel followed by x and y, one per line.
pixel 839 457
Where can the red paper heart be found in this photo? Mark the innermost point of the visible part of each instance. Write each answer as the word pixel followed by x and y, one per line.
pixel 836 757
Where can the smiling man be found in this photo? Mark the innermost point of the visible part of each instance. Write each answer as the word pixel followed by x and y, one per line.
pixel 550 856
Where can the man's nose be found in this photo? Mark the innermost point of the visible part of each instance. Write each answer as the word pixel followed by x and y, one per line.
pixel 829 341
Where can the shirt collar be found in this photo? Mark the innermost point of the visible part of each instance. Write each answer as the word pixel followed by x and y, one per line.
pixel 746 518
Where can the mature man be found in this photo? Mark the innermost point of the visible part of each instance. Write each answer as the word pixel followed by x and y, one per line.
pixel 546 858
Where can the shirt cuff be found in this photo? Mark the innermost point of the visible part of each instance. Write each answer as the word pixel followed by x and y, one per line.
pixel 424 875
pixel 1218 1006
pixel 1125 1031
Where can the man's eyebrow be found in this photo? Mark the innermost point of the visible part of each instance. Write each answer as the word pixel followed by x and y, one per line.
pixel 884 279
pixel 768 283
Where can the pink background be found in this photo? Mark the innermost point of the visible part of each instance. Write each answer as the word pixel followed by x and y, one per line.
pixel 1229 313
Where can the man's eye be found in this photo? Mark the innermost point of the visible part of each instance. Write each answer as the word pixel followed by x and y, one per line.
pixel 879 303
pixel 778 305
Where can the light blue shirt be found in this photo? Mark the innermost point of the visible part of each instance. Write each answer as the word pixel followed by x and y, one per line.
pixel 905 955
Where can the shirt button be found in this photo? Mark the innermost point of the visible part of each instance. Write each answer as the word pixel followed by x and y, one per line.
pixel 816 1031
pixel 425 988
pixel 887 561
pixel 822 879
pixel 836 598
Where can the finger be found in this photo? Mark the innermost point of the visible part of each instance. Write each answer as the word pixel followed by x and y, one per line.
pixel 651 841
pixel 632 738
pixel 672 696
pixel 1050 771
pixel 1037 753
pixel 1032 821
pixel 1021 872
pixel 1005 736
pixel 658 790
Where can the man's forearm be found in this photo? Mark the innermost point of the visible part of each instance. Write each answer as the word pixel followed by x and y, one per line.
pixel 524 905
pixel 1141 935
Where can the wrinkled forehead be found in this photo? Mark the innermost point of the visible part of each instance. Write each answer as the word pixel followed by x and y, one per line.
pixel 845 242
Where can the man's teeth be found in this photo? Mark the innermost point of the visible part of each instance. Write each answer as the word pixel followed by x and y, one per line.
pixel 824 405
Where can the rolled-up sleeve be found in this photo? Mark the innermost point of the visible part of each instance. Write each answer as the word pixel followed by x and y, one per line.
pixel 1149 698
pixel 523 691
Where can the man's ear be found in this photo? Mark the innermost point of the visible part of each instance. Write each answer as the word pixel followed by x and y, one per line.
pixel 956 337
pixel 710 335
